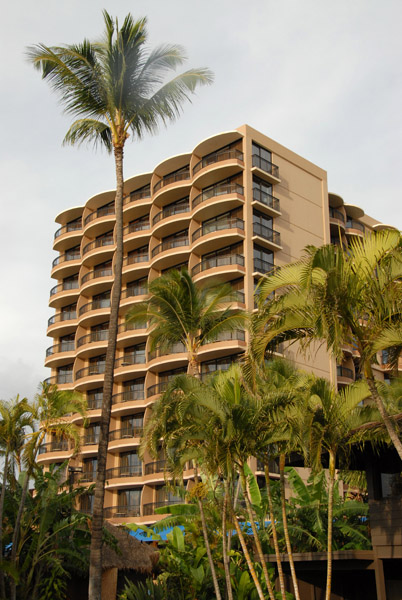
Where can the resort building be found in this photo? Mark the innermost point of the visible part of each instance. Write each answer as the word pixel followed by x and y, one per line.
pixel 234 207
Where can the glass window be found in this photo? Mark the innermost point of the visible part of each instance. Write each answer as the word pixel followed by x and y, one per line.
pixel 130 497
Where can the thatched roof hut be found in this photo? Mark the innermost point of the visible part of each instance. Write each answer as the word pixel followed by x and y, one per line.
pixel 130 552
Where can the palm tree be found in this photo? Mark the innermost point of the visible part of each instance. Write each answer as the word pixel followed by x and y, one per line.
pixel 180 312
pixel 115 88
pixel 15 417
pixel 339 297
pixel 49 411
pixel 333 416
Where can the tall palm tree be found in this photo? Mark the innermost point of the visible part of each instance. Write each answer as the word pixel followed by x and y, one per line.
pixel 115 88
pixel 49 415
pixel 339 297
pixel 15 417
pixel 180 311
pixel 333 416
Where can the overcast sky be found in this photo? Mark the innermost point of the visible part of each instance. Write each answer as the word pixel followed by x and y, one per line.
pixel 321 77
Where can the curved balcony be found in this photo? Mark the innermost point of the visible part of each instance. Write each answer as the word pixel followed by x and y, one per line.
pixel 177 353
pixel 97 280
pixel 94 312
pixel 126 366
pixel 94 403
pixel 230 229
pixel 90 344
pixel 69 315
pixel 96 274
pixel 134 201
pixel 265 169
pixel 62 323
pixel 68 346
pixel 344 375
pixel 157 388
pixel 165 261
pixel 149 508
pixel 137 263
pixel 157 466
pixel 171 219
pixel 93 373
pixel 63 292
pixel 65 264
pixel 336 218
pixel 125 433
pixel 61 379
pixel 104 211
pixel 266 202
pixel 354 227
pixel 205 205
pixel 128 396
pixel 85 477
pixel 262 266
pixel 52 451
pixel 124 471
pixel 90 439
pixel 172 178
pixel 131 332
pixel 216 157
pixel 122 512
pixel 98 248
pixel 170 211
pixel 269 237
pixel 229 262
pixel 136 233
pixel 67 235
pixel 225 343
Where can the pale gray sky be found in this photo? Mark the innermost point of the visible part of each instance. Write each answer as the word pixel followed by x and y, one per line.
pixel 321 77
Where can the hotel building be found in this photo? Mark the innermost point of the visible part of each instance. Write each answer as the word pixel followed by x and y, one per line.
pixel 234 207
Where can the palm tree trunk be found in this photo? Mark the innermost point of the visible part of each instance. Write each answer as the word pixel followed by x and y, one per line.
pixel 330 516
pixel 95 560
pixel 224 547
pixel 285 526
pixel 193 367
pixel 274 534
pixel 207 545
pixel 248 558
pixel 2 497
pixel 16 531
pixel 383 412
pixel 256 537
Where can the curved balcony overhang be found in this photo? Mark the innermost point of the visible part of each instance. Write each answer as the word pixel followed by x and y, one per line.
pixel 355 228
pixel 335 201
pixel 69 214
pixel 62 296
pixel 63 382
pixel 128 299
pixel 92 415
pixel 88 377
pixel 58 327
pixel 135 239
pixel 225 269
pixel 171 224
pixel 173 360
pixel 353 211
pixel 99 225
pixel 100 199
pixel 136 182
pixel 170 257
pixel 91 348
pixel 221 348
pixel 215 142
pixel 98 251
pixel 131 336
pixel 344 375
pixel 66 237
pixel 336 219
pixel 384 226
pixel 124 440
pixel 127 404
pixel 95 282
pixel 89 448
pixel 171 164
pixel 170 192
pixel 155 390
pixel 134 208
pixel 217 239
pixel 92 315
pixel 53 455
pixel 59 358
pixel 217 171
pixel 217 204
pixel 65 268
pixel 125 369
pixel 135 269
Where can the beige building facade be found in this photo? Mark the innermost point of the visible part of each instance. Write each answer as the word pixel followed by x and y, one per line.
pixel 233 208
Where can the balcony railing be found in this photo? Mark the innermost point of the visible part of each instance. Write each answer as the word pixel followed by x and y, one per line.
pixel 128 396
pixel 220 189
pixel 124 471
pixel 60 378
pixel 90 439
pixel 352 224
pixel 265 165
pixel 149 508
pixel 64 287
pixel 68 315
pixel 262 266
pixel 85 476
pixel 266 233
pixel 99 243
pixel 131 359
pixel 132 510
pixel 336 214
pixel 134 227
pixel 97 214
pixel 155 467
pixel 75 226
pixel 175 209
pixel 56 446
pixel 218 225
pixel 95 305
pixel 135 258
pixel 127 432
pixel 344 372
pixel 96 273
pixel 157 388
pixel 94 336
pixel 172 178
pixel 137 195
pixel 67 346
pixel 227 336
pixel 169 244
pixel 97 369
pixel 174 349
pixel 66 257
pixel 218 261
pixel 217 157
pixel 134 290
pixel 94 403
pixel 126 327
pixel 267 199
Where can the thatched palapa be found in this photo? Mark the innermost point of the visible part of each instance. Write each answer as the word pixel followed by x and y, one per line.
pixel 130 553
